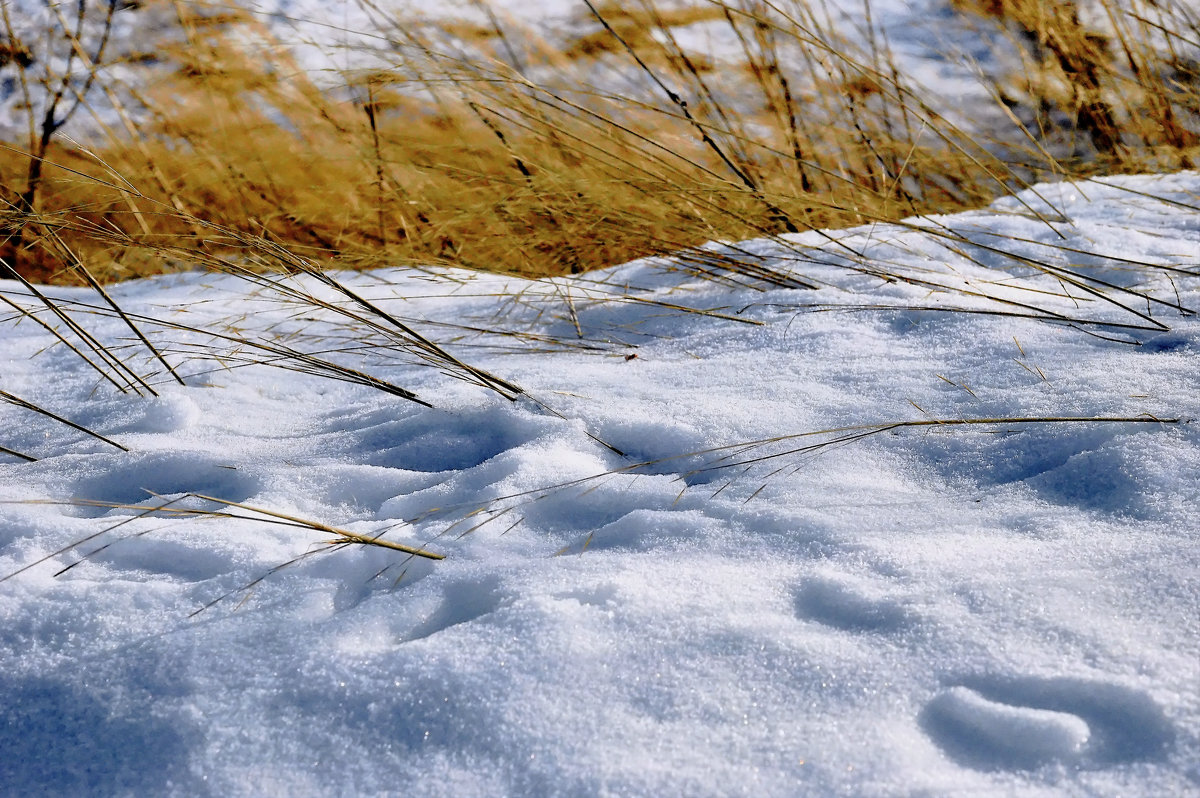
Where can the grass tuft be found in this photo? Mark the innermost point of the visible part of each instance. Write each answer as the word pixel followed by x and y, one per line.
pixel 479 144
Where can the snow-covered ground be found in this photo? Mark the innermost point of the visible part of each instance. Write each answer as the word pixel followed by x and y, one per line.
pixel 1009 608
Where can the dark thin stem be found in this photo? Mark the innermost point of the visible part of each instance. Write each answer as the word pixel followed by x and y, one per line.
pixel 19 402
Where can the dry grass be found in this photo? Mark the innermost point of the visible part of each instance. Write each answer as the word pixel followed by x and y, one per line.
pixel 178 509
pixel 1116 83
pixel 480 145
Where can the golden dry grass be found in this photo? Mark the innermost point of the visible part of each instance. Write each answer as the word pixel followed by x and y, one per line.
pixel 480 145
pixel 1115 78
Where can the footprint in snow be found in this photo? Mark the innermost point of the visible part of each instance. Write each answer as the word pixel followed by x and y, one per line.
pixel 462 602
pixel 1174 341
pixel 436 440
pixel 136 479
pixel 834 604
pixel 1025 723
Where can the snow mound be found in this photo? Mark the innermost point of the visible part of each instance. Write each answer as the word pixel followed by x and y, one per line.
pixel 732 538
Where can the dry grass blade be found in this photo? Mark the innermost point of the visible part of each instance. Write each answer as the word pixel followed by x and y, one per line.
pixel 82 269
pixel 22 403
pixel 731 456
pixel 19 455
pixel 247 587
pixel 120 375
pixel 426 348
pixel 143 513
pixel 341 535
pixel 169 509
pixel 30 313
pixel 276 354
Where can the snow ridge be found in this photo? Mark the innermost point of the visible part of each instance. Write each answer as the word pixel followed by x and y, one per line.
pixel 940 609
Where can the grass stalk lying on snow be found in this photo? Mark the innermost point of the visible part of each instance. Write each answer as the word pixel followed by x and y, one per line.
pixel 114 370
pixel 170 508
pixel 341 535
pixel 19 455
pixel 5 396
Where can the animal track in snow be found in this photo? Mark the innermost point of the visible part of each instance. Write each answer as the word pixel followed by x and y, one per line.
pixel 1032 454
pixel 834 604
pixel 462 602
pixel 1024 723
pixel 1182 341
pixel 436 440
pixel 973 727
pixel 1101 468
pixel 131 479
pixel 644 530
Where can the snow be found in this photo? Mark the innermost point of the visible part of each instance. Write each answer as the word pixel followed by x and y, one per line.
pixel 948 609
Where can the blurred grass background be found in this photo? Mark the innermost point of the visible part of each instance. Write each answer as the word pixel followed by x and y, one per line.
pixel 475 142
